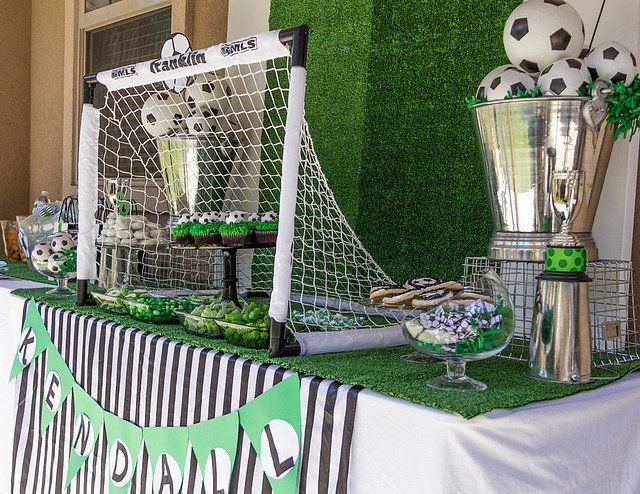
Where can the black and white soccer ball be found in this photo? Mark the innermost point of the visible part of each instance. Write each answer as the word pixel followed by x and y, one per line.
pixel 195 217
pixel 269 216
pixel 253 217
pixel 565 77
pixel 163 113
pixel 41 252
pixel 55 262
pixel 62 241
pixel 202 121
pixel 612 62
pixel 509 81
pixel 184 218
pixel 539 32
pixel 208 93
pixel 176 44
pixel 235 217
pixel 206 218
pixel 481 93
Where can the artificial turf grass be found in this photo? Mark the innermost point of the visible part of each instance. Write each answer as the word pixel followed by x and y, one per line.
pixel 385 103
pixel 381 370
pixel 20 270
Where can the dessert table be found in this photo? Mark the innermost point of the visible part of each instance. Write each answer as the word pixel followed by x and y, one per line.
pixel 585 442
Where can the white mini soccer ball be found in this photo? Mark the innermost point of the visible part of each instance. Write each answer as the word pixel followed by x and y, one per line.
pixel 222 216
pixel 195 217
pixel 253 217
pixel 163 113
pixel 55 261
pixel 509 81
pixel 270 216
pixel 201 122
pixel 207 93
pixel 206 218
pixel 612 62
pixel 62 241
pixel 176 44
pixel 184 218
pixel 481 93
pixel 539 32
pixel 41 252
pixel 235 217
pixel 565 77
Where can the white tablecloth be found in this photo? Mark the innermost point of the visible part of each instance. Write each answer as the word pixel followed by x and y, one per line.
pixel 585 443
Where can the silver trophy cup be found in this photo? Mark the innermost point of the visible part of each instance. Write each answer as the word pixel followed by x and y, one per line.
pixel 523 141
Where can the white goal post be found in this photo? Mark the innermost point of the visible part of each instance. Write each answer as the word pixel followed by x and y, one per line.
pixel 234 138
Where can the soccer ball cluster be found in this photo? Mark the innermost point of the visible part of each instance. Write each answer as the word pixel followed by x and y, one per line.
pixel 56 255
pixel 543 39
pixel 229 218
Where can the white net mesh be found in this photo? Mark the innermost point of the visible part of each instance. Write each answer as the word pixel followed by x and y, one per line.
pixel 217 147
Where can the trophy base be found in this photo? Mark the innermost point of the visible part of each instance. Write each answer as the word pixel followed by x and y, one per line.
pixel 530 246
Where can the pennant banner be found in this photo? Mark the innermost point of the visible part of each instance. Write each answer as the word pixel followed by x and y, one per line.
pixel 214 443
pixel 87 425
pixel 167 448
pixel 124 440
pixel 272 422
pixel 34 339
pixel 57 386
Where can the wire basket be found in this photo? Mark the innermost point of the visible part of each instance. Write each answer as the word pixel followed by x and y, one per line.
pixel 614 328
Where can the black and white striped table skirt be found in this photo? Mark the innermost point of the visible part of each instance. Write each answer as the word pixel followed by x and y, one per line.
pixel 153 381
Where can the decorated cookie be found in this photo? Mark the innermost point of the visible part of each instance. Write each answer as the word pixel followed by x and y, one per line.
pixel 431 298
pixel 422 283
pixel 380 292
pixel 402 298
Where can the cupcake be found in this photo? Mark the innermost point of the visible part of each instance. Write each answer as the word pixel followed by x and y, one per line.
pixel 182 230
pixel 266 230
pixel 235 229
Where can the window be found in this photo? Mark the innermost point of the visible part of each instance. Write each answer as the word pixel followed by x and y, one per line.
pixel 90 5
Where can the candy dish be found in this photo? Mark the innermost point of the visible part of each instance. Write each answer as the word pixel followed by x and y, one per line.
pixel 461 332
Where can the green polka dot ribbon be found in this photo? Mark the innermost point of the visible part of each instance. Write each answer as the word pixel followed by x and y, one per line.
pixel 565 259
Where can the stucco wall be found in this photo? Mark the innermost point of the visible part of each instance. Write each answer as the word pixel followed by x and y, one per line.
pixel 47 80
pixel 14 101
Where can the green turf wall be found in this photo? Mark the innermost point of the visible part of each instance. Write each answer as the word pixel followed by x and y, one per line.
pixel 385 103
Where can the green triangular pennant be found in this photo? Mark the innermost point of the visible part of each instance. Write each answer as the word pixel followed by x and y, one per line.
pixel 124 439
pixel 214 443
pixel 33 340
pixel 57 386
pixel 272 422
pixel 87 425
pixel 167 448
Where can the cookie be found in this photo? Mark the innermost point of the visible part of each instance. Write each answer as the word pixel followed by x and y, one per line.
pixel 431 298
pixel 384 291
pixel 421 283
pixel 470 295
pixel 401 298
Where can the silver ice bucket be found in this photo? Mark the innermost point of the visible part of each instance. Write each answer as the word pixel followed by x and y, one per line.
pixel 522 141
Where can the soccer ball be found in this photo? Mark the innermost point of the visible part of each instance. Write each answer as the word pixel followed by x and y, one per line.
pixel 54 263
pixel 509 81
pixel 482 88
pixel 270 216
pixel 176 44
pixel 539 32
pixel 62 241
pixel 195 217
pixel 565 77
pixel 253 217
pixel 41 252
pixel 208 94
pixel 235 217
pixel 163 113
pixel 184 218
pixel 201 122
pixel 612 62
pixel 206 218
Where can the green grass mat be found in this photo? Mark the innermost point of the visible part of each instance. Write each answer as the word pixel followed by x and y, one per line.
pixel 22 271
pixel 382 370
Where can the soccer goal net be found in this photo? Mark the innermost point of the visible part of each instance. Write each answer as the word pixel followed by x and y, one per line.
pixel 215 132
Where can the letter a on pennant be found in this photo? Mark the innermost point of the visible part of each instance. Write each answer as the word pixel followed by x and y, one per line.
pixel 34 339
pixel 167 448
pixel 124 440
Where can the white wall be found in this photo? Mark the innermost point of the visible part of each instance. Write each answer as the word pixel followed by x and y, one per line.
pixel 613 228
